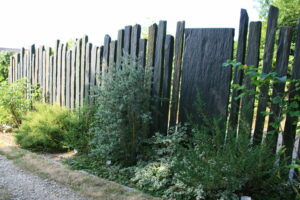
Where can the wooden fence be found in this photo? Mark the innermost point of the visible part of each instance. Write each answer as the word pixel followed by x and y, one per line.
pixel 189 62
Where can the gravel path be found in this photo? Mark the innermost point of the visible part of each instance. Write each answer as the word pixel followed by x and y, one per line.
pixel 26 186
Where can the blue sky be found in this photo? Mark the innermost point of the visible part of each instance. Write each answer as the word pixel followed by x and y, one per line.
pixel 43 21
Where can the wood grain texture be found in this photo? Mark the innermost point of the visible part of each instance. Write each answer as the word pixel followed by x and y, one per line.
pixel 252 59
pixel 83 69
pixel 238 73
pixel 203 75
pixel 179 41
pixel 267 67
pixel 59 73
pixel 73 77
pixel 78 71
pixel 68 78
pixel 142 53
pixel 105 58
pixel 57 44
pixel 88 63
pixel 127 40
pixel 112 53
pixel 290 128
pixel 120 46
pixel 135 38
pixel 63 74
pixel 166 87
pixel 99 65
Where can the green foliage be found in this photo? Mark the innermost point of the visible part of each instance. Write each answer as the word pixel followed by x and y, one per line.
pixel 45 128
pixel 13 101
pixel 122 114
pixel 4 63
pixel 78 136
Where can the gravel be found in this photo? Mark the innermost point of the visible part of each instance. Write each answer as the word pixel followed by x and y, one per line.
pixel 25 186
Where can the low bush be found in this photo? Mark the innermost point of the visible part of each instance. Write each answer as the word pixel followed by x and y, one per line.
pixel 16 101
pixel 45 128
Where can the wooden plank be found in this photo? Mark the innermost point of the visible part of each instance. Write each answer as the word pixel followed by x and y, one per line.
pixel 99 65
pixel 63 75
pixel 78 77
pixel 10 70
pixel 166 87
pixel 41 68
pixel 203 77
pixel 282 59
pixel 120 46
pixel 51 77
pixel 267 66
pixel 59 74
pixel 48 74
pixel 135 38
pixel 57 44
pixel 32 58
pixel 22 62
pixel 87 71
pixel 238 73
pixel 158 74
pixel 68 78
pixel 142 53
pixel 252 59
pixel 73 76
pixel 82 70
pixel 19 66
pixel 37 66
pixel 93 72
pixel 127 40
pixel 179 40
pixel 44 73
pixel 291 121
pixel 112 53
pixel 105 59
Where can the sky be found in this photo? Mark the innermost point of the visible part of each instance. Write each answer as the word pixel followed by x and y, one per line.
pixel 42 22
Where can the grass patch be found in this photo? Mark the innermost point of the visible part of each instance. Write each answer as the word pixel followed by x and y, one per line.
pixel 87 185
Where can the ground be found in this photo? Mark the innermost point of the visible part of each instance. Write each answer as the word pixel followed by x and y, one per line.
pixel 29 176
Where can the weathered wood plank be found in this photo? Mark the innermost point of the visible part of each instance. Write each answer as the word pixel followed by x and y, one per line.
pixel 58 75
pixel 73 76
pixel 135 38
pixel 82 70
pixel 22 53
pixel 291 121
pixel 57 44
pixel 44 74
pixel 142 53
pixel 68 78
pixel 127 40
pixel 158 74
pixel 48 74
pixel 63 74
pixel 238 73
pixel 282 59
pixel 41 68
pixel 99 65
pixel 87 71
pixel 51 75
pixel 112 53
pixel 93 73
pixel 10 70
pixel 78 70
pixel 120 46
pixel 252 59
pixel 267 66
pixel 105 59
pixel 166 87
pixel 37 66
pixel 203 77
pixel 179 39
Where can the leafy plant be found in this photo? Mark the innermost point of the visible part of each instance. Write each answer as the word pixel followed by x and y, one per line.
pixel 4 63
pixel 45 128
pixel 122 114
pixel 15 101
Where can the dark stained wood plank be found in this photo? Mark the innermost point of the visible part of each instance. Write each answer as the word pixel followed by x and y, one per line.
pixel 135 38
pixel 127 40
pixel 179 39
pixel 267 66
pixel 142 53
pixel 158 74
pixel 291 121
pixel 282 59
pixel 203 77
pixel 78 77
pixel 238 73
pixel 105 59
pixel 112 53
pixel 252 59
pixel 87 70
pixel 166 87
pixel 99 65
pixel 82 70
pixel 73 76
pixel 120 46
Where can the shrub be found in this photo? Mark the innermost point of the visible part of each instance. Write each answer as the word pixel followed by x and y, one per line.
pixel 45 128
pixel 78 136
pixel 15 101
pixel 122 115
pixel 4 63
